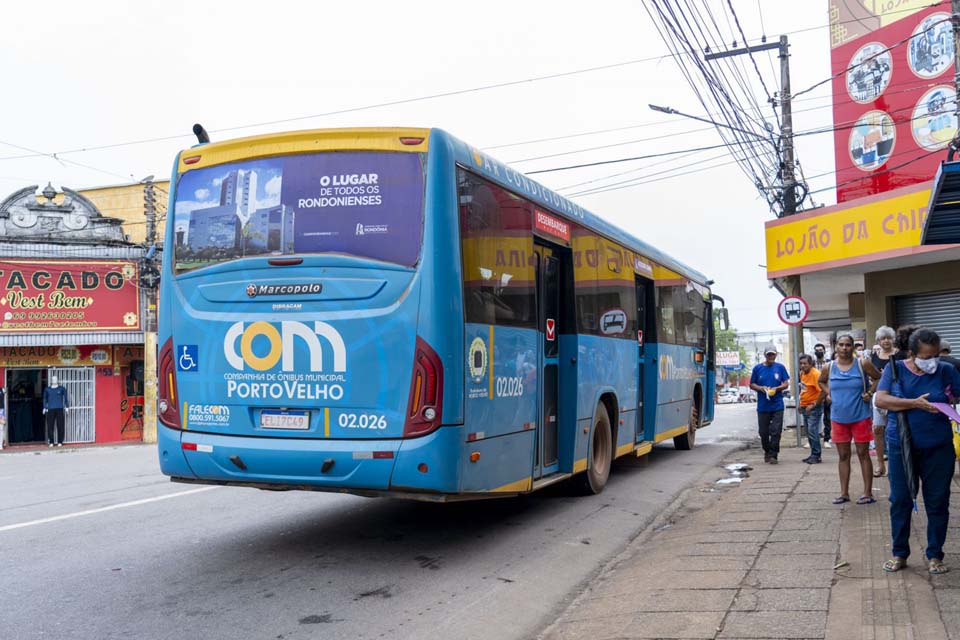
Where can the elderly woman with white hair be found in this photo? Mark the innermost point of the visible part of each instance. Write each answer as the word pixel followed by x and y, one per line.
pixel 886 340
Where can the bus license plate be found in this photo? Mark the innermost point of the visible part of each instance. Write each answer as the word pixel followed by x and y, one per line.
pixel 279 419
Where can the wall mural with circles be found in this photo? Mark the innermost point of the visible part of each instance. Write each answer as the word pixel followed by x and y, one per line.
pixel 894 105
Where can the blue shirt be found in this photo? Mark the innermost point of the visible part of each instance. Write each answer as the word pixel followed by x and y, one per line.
pixel 846 394
pixel 55 398
pixel 928 429
pixel 772 375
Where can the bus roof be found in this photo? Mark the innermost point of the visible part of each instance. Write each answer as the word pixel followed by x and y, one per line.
pixel 411 139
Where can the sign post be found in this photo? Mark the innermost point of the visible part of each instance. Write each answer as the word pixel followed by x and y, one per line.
pixel 793 310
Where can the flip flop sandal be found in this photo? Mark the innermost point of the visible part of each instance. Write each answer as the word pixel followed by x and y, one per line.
pixel 879 473
pixel 866 500
pixel 895 564
pixel 936 567
pixel 841 500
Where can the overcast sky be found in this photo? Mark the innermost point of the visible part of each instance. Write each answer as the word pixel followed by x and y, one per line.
pixel 80 75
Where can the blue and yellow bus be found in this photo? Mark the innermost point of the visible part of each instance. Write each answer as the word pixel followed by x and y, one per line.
pixel 393 312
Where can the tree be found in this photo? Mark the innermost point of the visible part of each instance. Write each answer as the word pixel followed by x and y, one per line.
pixel 726 340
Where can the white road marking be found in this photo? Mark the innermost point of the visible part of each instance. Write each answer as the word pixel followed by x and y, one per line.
pixel 122 505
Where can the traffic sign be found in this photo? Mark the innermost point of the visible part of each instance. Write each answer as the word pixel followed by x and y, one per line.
pixel 793 310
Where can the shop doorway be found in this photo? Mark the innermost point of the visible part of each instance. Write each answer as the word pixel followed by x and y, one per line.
pixel 25 405
pixel 27 424
pixel 80 384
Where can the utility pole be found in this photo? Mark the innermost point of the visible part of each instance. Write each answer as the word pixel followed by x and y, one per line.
pixel 786 133
pixel 788 178
pixel 150 325
pixel 788 169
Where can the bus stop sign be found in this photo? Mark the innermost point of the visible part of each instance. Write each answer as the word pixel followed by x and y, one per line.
pixel 793 310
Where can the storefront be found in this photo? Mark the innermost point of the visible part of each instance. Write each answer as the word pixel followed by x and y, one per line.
pixel 71 309
pixel 860 265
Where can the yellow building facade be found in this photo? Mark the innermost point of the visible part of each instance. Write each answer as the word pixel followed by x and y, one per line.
pixel 126 202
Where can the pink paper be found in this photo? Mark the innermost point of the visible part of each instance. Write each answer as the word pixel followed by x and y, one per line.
pixel 947 410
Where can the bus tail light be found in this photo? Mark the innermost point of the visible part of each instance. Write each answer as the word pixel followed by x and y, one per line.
pixel 167 407
pixel 426 392
pixel 411 141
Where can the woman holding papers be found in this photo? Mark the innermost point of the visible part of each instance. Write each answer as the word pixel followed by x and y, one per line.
pixel 918 392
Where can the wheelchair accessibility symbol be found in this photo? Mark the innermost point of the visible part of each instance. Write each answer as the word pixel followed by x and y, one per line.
pixel 187 358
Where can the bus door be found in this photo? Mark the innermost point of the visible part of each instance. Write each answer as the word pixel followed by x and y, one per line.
pixel 546 448
pixel 645 326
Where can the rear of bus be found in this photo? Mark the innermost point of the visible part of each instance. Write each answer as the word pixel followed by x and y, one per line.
pixel 309 315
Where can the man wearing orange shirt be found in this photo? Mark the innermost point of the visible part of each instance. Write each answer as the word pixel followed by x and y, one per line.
pixel 811 406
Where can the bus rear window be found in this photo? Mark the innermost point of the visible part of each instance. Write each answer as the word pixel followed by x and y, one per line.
pixel 366 204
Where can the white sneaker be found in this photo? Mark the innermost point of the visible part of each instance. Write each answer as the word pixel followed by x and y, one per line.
pixel 49 444
pixel 806 445
pixel 827 445
pixel 59 444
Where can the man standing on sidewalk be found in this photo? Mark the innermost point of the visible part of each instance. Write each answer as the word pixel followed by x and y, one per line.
pixel 769 380
pixel 811 406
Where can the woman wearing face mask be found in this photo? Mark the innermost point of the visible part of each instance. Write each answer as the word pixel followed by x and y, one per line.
pixel 849 384
pixel 879 359
pixel 921 380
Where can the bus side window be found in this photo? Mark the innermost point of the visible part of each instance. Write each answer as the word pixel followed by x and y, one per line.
pixel 692 305
pixel 666 323
pixel 496 234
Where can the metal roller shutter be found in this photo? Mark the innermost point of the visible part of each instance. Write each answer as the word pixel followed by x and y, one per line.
pixel 938 311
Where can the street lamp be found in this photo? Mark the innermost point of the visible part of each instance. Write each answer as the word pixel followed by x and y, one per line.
pixel 671 111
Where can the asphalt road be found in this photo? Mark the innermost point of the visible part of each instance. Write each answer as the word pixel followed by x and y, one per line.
pixel 95 543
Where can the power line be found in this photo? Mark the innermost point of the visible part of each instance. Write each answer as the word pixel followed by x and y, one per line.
pixel 610 146
pixel 57 155
pixel 63 160
pixel 619 160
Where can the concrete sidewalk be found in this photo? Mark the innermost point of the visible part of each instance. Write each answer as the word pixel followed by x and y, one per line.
pixel 771 558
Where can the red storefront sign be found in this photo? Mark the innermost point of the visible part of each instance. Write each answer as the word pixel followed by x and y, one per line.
pixel 95 295
pixel 551 225
pixel 893 94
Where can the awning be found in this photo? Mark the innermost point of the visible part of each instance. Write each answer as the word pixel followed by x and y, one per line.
pixel 943 212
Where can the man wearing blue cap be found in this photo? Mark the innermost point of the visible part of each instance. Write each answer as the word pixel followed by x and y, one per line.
pixel 769 380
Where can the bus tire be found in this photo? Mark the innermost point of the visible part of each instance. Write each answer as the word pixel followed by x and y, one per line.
pixel 600 456
pixel 685 441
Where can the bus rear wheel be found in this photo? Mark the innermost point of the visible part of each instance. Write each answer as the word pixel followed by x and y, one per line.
pixel 685 441
pixel 600 456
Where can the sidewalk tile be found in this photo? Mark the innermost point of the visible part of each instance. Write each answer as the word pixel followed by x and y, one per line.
pixel 770 579
pixel 658 600
pixel 782 600
pixel 758 525
pixel 642 625
pixel 812 539
pixel 949 601
pixel 708 563
pixel 733 536
pixel 725 549
pixel 800 562
pixel 642 577
pixel 775 624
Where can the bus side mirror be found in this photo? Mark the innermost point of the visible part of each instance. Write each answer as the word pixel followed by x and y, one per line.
pixel 723 319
